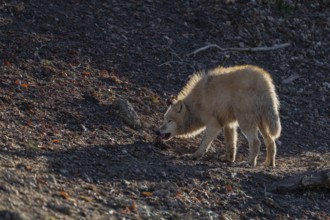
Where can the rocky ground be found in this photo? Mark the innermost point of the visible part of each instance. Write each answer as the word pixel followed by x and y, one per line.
pixel 67 153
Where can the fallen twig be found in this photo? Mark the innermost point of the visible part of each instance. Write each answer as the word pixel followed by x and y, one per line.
pixel 318 64
pixel 169 63
pixel 205 48
pixel 312 180
pixel 249 49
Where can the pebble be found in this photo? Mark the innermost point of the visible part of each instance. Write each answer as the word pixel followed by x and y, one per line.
pixel 64 171
pixel 326 84
pixel 10 215
pixel 127 113
pixel 269 202
pixel 52 179
pixel 172 187
pixel 60 208
pixel 162 193
pixel 258 208
pixel 4 188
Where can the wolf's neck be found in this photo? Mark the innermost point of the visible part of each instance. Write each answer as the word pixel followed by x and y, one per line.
pixel 192 124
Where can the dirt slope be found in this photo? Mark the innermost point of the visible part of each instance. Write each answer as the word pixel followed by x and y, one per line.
pixel 66 154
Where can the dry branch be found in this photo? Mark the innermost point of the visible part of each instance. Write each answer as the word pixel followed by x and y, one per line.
pixel 303 181
pixel 248 49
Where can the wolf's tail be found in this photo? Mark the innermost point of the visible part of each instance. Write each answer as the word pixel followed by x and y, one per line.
pixel 271 115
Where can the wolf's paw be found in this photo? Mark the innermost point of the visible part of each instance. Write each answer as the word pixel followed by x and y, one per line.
pixel 253 162
pixel 269 164
pixel 229 160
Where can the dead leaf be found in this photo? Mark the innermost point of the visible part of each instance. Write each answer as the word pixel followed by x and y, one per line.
pixel 47 62
pixel 56 141
pixel 42 181
pixel 179 194
pixel 125 211
pixel 25 85
pixel 195 200
pixel 155 99
pixel 85 198
pixel 229 188
pixel 17 82
pixel 133 207
pixel 6 63
pixel 28 167
pixel 64 195
pixel 104 73
pixel 146 194
pixel 87 73
pixel 115 79
pixel 29 122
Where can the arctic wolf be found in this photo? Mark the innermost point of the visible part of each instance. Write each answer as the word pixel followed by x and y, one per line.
pixel 224 98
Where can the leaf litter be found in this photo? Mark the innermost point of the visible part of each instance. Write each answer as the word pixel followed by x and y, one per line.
pixel 64 148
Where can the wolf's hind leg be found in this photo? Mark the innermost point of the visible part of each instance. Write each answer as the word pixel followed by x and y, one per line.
pixel 249 128
pixel 230 134
pixel 251 133
pixel 270 146
pixel 254 146
pixel 210 134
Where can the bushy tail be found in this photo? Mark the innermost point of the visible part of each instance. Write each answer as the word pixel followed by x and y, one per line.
pixel 271 116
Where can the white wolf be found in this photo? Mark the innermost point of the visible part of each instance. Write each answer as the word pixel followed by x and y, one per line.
pixel 223 98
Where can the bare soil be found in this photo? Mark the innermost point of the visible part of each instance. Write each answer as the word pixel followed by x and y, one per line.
pixel 66 154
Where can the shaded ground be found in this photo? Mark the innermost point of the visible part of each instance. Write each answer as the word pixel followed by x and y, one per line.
pixel 65 153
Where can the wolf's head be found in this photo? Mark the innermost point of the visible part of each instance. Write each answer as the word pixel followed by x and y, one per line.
pixel 173 121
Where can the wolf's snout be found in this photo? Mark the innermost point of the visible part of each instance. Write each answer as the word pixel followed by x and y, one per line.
pixel 157 132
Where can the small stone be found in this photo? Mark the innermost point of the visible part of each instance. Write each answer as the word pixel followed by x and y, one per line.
pixel 163 173
pixel 162 193
pixel 172 202
pixel 172 187
pixel 126 183
pixel 258 208
pixel 233 175
pixel 88 178
pixel 52 179
pixel 4 188
pixel 270 18
pixel 229 1
pixel 10 215
pixel 127 113
pixel 60 208
pixel 64 171
pixel 291 78
pixel 327 85
pixel 269 202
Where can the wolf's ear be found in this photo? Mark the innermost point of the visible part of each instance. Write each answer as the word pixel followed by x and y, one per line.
pixel 169 102
pixel 180 107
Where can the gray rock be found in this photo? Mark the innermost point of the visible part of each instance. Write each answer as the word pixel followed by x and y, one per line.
pixel 60 208
pixel 162 193
pixel 127 113
pixel 10 215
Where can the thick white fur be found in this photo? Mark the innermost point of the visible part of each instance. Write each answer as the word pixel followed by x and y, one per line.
pixel 223 98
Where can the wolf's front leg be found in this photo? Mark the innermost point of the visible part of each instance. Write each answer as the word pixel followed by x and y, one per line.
pixel 210 134
pixel 230 134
